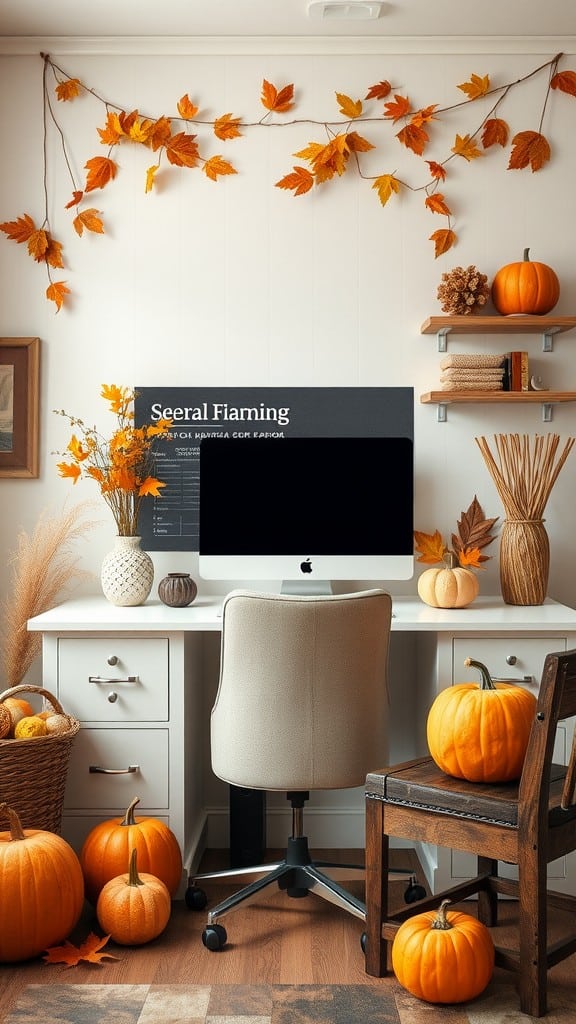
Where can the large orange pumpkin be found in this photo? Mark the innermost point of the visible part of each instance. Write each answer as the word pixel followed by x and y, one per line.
pixel 134 908
pixel 107 848
pixel 525 287
pixel 443 957
pixel 41 890
pixel 480 733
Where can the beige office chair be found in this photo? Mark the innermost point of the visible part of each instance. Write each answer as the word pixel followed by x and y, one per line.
pixel 302 704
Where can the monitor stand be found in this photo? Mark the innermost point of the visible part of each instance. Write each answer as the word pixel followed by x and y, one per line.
pixel 307 588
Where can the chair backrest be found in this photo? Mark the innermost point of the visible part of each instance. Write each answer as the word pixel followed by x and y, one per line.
pixel 302 698
pixel 543 788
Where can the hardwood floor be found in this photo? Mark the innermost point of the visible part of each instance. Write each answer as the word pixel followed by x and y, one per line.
pixel 275 941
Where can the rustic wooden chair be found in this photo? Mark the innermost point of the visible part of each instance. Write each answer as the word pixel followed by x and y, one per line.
pixel 529 823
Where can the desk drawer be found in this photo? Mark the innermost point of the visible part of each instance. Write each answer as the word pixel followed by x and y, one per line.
pixel 517 658
pixel 134 763
pixel 114 679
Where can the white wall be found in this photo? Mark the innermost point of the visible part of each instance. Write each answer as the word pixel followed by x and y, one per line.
pixel 239 283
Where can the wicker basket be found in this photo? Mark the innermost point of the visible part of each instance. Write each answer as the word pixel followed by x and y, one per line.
pixel 33 771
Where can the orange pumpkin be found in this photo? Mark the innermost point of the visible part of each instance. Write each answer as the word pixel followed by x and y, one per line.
pixel 525 287
pixel 480 733
pixel 107 848
pixel 42 890
pixel 134 908
pixel 443 957
pixel 444 587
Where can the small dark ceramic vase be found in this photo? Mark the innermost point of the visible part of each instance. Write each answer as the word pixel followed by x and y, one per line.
pixel 177 589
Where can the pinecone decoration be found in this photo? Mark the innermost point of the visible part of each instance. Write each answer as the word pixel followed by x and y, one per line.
pixel 462 290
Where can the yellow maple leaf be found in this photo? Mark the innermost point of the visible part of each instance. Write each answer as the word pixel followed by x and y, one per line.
pixel 430 546
pixel 350 108
pixel 279 100
pixel 465 146
pixel 186 108
pixel 68 90
pixel 150 176
pixel 90 220
pixel 476 87
pixel 299 181
pixel 217 165
pixel 113 131
pixel 443 240
pixel 56 292
pixel 386 185
pixel 226 127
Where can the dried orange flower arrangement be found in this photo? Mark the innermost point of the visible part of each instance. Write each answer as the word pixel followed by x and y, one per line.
pixel 453 584
pixel 123 466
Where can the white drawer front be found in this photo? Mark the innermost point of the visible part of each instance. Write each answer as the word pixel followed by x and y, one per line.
pixel 520 659
pixel 114 679
pixel 118 751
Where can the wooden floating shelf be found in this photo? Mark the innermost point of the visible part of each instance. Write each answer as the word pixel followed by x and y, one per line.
pixel 547 326
pixel 544 398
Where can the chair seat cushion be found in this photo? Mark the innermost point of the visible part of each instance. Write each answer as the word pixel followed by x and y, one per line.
pixel 421 784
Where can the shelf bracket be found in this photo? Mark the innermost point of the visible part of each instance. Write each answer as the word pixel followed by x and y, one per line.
pixel 441 338
pixel 546 412
pixel 547 336
pixel 442 412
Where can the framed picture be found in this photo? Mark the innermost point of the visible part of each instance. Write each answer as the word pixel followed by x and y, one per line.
pixel 19 406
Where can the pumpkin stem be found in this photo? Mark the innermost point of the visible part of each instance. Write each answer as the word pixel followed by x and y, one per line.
pixel 133 876
pixel 128 818
pixel 16 830
pixel 487 683
pixel 441 922
pixel 526 258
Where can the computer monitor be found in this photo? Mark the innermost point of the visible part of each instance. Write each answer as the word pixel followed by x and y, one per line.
pixel 306 510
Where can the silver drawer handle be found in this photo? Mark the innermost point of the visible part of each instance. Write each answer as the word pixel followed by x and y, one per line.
pixel 95 769
pixel 113 679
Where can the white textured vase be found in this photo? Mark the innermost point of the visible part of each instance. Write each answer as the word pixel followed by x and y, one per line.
pixel 127 573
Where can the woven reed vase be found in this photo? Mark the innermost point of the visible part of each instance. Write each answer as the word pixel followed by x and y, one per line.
pixel 524 561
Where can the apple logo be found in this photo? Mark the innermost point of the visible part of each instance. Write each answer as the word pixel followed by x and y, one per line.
pixel 306 566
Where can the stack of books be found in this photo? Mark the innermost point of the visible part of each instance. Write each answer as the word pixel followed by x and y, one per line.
pixel 480 372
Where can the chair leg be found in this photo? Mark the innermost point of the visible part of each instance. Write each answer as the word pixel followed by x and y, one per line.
pixel 376 888
pixel 487 896
pixel 533 913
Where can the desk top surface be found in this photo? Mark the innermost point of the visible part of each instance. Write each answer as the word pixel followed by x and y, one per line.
pixel 410 614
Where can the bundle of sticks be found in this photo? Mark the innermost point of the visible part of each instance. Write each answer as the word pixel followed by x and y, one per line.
pixel 525 470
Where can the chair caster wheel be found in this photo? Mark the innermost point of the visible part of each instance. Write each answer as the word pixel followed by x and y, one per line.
pixel 363 938
pixel 195 898
pixel 214 937
pixel 414 891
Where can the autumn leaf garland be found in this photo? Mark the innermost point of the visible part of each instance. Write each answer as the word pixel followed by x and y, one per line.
pixel 171 140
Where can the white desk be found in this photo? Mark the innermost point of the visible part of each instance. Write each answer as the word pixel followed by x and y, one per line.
pixel 142 680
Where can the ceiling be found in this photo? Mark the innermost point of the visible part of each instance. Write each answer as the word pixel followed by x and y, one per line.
pixel 284 18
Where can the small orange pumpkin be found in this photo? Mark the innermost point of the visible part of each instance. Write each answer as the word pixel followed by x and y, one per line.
pixel 480 733
pixel 444 587
pixel 134 908
pixel 525 287
pixel 42 890
pixel 443 957
pixel 108 845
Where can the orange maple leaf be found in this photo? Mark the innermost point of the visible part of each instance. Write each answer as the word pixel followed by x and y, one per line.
pixel 379 91
pixel 443 240
pixel 128 120
pixel 160 133
pixel 413 137
pixel 68 90
pixel 76 198
pixel 215 166
pixel 565 81
pixel 140 130
pixel 476 87
pixel 68 470
pixel 300 181
pixel 38 243
pixel 53 254
pixel 226 127
pixel 182 150
pixel 357 143
pixel 113 131
pixel 278 100
pixel 397 109
pixel 101 170
pixel 430 546
pixel 437 204
pixel 19 230
pixel 529 148
pixel 90 220
pixel 495 133
pixel 350 108
pixel 465 146
pixel 150 486
pixel 472 557
pixel 56 292
pixel 92 950
pixel 186 108
pixel 436 170
pixel 425 115
pixel 386 186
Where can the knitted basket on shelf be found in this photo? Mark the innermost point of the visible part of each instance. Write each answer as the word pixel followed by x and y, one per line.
pixel 33 771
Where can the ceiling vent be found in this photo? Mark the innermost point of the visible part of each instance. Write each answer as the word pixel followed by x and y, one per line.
pixel 340 10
